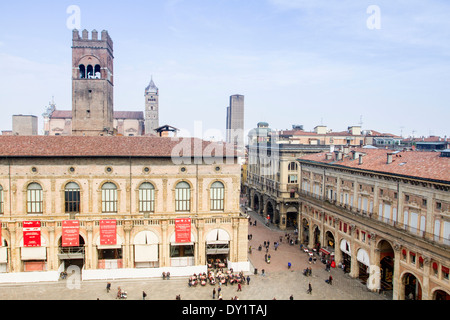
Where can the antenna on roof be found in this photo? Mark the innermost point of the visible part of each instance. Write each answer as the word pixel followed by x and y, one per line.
pixel 361 121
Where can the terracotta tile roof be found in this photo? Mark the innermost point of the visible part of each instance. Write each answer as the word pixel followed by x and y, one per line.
pixel 61 114
pixel 67 114
pixel 138 115
pixel 427 165
pixel 73 146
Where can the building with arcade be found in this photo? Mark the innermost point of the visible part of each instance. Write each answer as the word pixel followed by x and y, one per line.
pixel 383 216
pixel 118 207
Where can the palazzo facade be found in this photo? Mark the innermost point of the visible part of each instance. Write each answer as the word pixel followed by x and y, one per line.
pixel 382 216
pixel 144 184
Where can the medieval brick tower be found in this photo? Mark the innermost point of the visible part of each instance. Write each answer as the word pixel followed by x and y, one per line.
pixel 151 108
pixel 92 84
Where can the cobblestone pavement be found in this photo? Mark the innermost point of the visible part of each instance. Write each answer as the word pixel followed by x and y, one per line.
pixel 279 282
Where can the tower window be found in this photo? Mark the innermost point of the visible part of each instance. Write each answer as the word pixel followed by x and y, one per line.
pixel 82 71
pixel 97 72
pixel 90 72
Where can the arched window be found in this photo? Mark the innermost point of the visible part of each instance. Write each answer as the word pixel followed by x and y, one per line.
pixel 183 197
pixel 293 166
pixel 217 196
pixel 146 198
pixel 109 198
pixel 90 72
pixel 34 198
pixel 72 198
pixel 97 72
pixel 82 71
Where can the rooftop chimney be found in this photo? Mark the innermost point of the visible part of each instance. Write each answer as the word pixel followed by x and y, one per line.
pixel 360 159
pixel 389 158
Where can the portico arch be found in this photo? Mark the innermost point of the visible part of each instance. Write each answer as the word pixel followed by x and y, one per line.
pixel 441 294
pixel 411 288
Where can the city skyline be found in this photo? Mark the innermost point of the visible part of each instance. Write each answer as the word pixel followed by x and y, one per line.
pixel 295 61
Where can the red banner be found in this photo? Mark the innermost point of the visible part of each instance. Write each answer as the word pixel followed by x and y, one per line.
pixel 71 233
pixel 108 232
pixel 31 234
pixel 183 230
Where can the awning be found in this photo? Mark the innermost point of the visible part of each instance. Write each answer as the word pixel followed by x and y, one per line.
pixel 218 236
pixel 4 255
pixel 363 257
pixel 217 251
pixel 326 252
pixel 345 247
pixel 146 253
pixel 36 253
pixel 146 237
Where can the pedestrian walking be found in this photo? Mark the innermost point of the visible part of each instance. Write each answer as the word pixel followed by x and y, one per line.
pixel 214 293
pixel 291 297
pixel 248 280
pixel 309 288
pixel 108 287
pixel 263 273
pixel 239 287
pixel 144 295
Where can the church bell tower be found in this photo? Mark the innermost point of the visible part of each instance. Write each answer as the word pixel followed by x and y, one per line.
pixel 92 84
pixel 151 108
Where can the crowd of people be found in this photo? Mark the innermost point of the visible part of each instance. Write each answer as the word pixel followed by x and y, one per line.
pixel 219 277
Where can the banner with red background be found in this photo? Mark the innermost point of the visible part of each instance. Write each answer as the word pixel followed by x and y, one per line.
pixel 108 232
pixel 31 234
pixel 183 230
pixel 71 233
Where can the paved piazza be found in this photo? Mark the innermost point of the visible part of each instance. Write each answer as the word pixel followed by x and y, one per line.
pixel 279 282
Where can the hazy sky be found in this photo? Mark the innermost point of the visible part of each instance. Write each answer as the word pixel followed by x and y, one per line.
pixel 306 62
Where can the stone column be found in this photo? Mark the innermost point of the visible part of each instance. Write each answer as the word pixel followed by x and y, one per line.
pixel 165 257
pixel 311 235
pixel 396 295
pixel 90 264
pixel 14 256
pixel 374 281
pixel 52 250
pixel 337 244
pixel 234 241
pixel 127 254
pixel 354 268
pixel 200 250
pixel 283 216
pixel 426 290
pixel 300 223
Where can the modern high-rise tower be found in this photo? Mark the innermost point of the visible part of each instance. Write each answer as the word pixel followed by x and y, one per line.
pixel 235 121
pixel 92 84
pixel 151 108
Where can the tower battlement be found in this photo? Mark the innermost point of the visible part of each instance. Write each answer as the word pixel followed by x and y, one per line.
pixel 93 38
